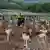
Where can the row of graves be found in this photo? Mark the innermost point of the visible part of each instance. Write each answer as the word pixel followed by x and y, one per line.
pixel 14 37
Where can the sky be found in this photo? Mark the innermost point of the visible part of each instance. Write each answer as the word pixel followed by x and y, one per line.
pixel 26 1
pixel 37 1
pixel 30 1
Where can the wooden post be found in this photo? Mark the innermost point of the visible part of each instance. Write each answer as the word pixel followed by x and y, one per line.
pixel 7 37
pixel 33 32
pixel 26 44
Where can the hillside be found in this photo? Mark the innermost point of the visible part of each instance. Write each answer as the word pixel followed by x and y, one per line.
pixel 13 4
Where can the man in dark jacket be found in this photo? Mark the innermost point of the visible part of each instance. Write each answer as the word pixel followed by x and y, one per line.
pixel 20 19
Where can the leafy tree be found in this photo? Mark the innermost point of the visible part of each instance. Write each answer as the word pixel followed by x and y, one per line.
pixel 46 7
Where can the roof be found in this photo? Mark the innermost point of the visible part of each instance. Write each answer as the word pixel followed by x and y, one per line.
pixel 27 13
pixel 37 14
pixel 11 12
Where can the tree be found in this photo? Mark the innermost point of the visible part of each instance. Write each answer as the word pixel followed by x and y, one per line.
pixel 32 8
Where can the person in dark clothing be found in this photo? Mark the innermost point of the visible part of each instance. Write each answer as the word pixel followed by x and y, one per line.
pixel 20 19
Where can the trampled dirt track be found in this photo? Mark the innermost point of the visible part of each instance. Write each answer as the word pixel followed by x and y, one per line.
pixel 16 39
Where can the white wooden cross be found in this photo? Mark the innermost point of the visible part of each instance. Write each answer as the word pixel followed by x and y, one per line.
pixel 25 38
pixel 8 31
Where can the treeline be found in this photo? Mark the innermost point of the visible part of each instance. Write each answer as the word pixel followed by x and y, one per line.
pixel 33 8
pixel 40 7
pixel 4 5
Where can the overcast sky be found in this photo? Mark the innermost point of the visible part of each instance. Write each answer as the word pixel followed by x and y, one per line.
pixel 30 1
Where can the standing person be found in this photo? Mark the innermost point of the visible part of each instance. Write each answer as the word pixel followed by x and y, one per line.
pixel 11 20
pixel 42 39
pixel 20 19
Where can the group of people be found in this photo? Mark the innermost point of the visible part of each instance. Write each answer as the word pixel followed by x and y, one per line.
pixel 20 19
pixel 42 37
